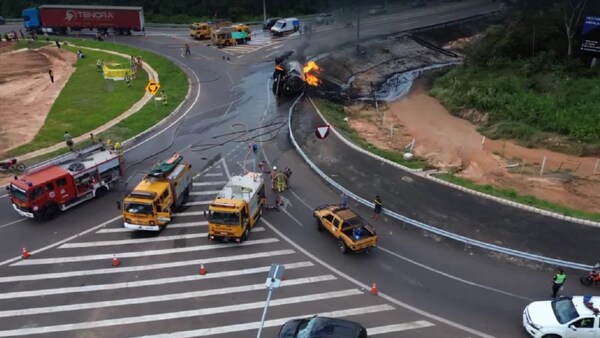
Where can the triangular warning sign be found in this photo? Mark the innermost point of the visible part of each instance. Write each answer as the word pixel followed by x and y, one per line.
pixel 322 131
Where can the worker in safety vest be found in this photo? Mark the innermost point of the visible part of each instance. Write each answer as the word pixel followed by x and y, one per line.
pixel 558 281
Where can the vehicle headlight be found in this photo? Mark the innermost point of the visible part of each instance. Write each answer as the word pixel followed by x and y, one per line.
pixel 35 208
pixel 530 322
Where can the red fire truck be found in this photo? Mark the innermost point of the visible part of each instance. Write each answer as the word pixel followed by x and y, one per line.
pixel 65 182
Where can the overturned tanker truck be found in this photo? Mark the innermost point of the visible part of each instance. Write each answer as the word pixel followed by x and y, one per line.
pixel 288 77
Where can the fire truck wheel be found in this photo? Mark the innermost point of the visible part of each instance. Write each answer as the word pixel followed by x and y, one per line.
pixel 51 212
pixel 101 192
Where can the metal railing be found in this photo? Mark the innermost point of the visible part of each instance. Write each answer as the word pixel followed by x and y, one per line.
pixel 405 220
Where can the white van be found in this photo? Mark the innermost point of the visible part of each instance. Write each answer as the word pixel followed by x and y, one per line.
pixel 285 26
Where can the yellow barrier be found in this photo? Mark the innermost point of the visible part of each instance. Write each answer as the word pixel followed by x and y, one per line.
pixel 116 73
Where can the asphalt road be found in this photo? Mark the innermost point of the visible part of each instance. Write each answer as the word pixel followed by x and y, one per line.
pixel 70 286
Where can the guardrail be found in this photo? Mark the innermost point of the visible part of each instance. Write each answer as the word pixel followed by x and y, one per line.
pixel 405 220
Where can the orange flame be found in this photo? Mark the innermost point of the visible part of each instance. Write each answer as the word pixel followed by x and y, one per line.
pixel 310 68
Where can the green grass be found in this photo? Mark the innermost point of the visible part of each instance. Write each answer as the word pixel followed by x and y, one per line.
pixel 89 101
pixel 512 195
pixel 526 100
pixel 31 44
pixel 335 115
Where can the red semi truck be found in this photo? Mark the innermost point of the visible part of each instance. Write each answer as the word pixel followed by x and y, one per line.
pixel 62 19
pixel 65 182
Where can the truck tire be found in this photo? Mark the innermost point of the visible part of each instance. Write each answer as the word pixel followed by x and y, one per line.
pixel 245 235
pixel 50 212
pixel 342 247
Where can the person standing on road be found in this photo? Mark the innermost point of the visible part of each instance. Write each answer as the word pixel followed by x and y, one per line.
pixel 273 178
pixel 377 208
pixel 343 200
pixel 51 74
pixel 187 52
pixel 558 282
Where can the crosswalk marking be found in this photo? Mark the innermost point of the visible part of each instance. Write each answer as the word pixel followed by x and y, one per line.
pixel 190 204
pixel 207 192
pixel 213 175
pixel 269 323
pixel 189 213
pixel 161 298
pixel 123 269
pixel 140 240
pixel 148 282
pixel 180 314
pixel 202 184
pixel 137 254
pixel 399 327
pixel 170 226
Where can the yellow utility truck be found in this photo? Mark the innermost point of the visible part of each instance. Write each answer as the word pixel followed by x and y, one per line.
pixel 350 230
pixel 237 208
pixel 203 30
pixel 150 206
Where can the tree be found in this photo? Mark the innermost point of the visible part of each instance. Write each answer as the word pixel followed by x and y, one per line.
pixel 572 11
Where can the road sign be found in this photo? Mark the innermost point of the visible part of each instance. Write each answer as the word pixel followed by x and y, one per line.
pixel 152 87
pixel 322 131
pixel 590 35
pixel 275 275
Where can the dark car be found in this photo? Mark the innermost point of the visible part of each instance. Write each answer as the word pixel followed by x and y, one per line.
pixel 322 327
pixel 270 22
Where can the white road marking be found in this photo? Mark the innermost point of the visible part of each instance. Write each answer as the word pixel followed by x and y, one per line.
pixel 269 323
pixel 161 298
pixel 189 213
pixel 13 222
pixel 3 196
pixel 447 275
pixel 139 240
pixel 213 175
pixel 140 283
pixel 135 254
pixel 179 314
pixel 136 268
pixel 33 253
pixel 399 327
pixel 200 184
pixel 206 192
pixel 381 294
pixel 195 203
pixel 170 226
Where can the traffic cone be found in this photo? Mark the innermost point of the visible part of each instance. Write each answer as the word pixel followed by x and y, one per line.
pixel 202 269
pixel 116 262
pixel 374 290
pixel 25 254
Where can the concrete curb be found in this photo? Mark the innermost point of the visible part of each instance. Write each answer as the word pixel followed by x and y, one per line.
pixel 429 176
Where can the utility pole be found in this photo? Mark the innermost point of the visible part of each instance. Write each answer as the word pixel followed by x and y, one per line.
pixel 264 10
pixel 358 28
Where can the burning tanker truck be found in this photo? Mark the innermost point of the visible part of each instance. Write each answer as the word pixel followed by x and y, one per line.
pixel 290 77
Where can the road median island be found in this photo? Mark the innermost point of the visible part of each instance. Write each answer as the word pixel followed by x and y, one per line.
pixel 131 110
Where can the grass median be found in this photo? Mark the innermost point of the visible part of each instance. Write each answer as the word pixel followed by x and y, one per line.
pixel 89 101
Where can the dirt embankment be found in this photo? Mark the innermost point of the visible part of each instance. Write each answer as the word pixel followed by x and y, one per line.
pixel 452 143
pixel 26 92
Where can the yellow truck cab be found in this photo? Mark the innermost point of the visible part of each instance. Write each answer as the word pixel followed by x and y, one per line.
pixel 224 37
pixel 350 230
pixel 237 208
pixel 150 206
pixel 243 28
pixel 204 30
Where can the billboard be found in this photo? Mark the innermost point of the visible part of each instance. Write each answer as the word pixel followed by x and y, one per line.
pixel 590 35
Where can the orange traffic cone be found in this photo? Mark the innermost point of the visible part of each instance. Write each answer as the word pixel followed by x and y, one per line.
pixel 116 262
pixel 25 254
pixel 202 269
pixel 374 290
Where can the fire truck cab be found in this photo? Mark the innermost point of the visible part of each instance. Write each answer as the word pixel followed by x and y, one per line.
pixel 66 182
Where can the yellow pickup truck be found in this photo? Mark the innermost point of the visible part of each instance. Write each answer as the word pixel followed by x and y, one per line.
pixel 350 230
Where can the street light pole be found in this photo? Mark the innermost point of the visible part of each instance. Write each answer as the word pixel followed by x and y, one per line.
pixel 358 28
pixel 264 10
